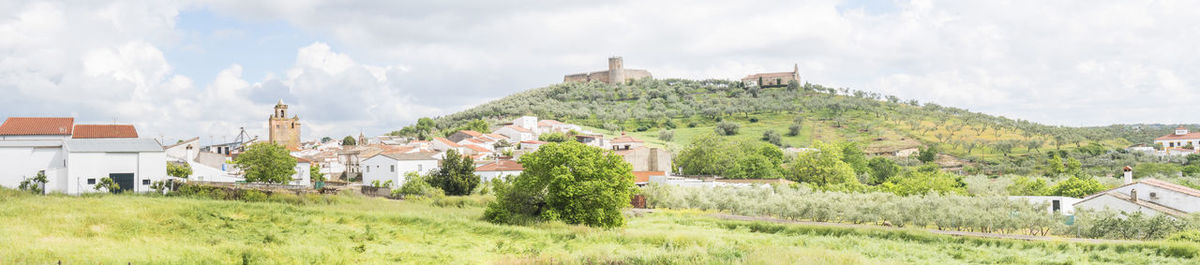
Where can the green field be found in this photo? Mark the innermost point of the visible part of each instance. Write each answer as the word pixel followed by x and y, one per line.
pixel 121 229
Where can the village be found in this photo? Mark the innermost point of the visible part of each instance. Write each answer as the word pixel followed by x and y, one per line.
pixel 76 158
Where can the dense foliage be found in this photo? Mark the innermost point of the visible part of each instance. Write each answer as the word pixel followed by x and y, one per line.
pixel 266 162
pixel 35 185
pixel 570 182
pixel 179 170
pixel 456 176
pixel 714 155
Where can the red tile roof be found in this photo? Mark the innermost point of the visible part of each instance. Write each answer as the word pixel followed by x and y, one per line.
pixel 770 75
pixel 37 126
pixel 1189 136
pixel 549 123
pixel 471 133
pixel 446 141
pixel 533 142
pixel 1172 186
pixel 644 176
pixel 502 165
pixel 478 148
pixel 83 131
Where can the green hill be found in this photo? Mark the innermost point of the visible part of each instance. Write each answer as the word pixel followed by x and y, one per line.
pixel 878 122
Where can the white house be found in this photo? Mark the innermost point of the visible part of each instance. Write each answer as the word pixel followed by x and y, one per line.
pixel 625 142
pixel 1180 139
pixel 1060 204
pixel 502 169
pixel 527 122
pixel 74 157
pixel 393 166
pixel 133 163
pixel 303 176
pixel 517 133
pixel 1149 196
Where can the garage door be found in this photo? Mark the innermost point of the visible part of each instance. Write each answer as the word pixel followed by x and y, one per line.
pixel 125 180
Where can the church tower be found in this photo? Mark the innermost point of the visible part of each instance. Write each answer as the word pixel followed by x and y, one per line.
pixel 283 130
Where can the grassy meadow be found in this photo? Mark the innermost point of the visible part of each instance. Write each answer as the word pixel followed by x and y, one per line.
pixel 139 229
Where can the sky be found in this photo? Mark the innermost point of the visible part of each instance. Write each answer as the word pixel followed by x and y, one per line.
pixel 205 68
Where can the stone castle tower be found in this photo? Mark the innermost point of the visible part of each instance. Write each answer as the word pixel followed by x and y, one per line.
pixel 283 130
pixel 616 70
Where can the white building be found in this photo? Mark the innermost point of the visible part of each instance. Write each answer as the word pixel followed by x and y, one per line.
pixel 133 163
pixel 531 145
pixel 1149 196
pixel 550 126
pixel 526 122
pixel 1180 139
pixel 502 169
pixel 517 133
pixel 75 157
pixel 1060 204
pixel 393 166
pixel 443 144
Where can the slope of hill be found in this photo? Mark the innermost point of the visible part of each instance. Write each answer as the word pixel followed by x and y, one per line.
pixel 880 123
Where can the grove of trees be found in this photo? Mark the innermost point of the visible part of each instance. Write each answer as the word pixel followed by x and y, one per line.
pixel 569 182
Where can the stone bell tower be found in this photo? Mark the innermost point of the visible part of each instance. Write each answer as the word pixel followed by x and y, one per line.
pixel 283 130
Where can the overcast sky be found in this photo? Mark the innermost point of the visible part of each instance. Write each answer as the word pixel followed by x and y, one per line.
pixel 206 68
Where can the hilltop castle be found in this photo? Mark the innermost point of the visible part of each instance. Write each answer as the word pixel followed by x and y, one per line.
pixel 283 130
pixel 616 74
pixel 779 79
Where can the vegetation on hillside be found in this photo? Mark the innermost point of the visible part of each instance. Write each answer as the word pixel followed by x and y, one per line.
pixel 807 113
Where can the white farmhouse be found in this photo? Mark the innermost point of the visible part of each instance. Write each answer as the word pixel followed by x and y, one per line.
pixel 1180 139
pixel 75 157
pixel 501 169
pixel 1054 204
pixel 393 166
pixel 1149 196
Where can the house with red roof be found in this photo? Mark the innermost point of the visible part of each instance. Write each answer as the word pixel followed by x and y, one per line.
pixel 463 134
pixel 1181 139
pixel 625 142
pixel 76 157
pixel 500 169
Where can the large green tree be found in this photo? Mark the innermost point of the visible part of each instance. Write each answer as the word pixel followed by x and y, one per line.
pixel 456 176
pixel 570 182
pixel 266 162
pixel 708 154
pixel 882 169
pixel 822 167
pixel 349 141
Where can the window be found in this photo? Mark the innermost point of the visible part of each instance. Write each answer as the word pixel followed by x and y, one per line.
pixel 91 181
pixel 393 168
pixel 145 182
pixel 1154 195
pixel 368 169
pixel 419 168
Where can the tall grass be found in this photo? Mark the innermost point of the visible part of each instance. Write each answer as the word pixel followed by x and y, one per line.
pixel 120 229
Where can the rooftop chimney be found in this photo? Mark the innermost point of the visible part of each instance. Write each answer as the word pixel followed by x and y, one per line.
pixel 1133 195
pixel 1128 174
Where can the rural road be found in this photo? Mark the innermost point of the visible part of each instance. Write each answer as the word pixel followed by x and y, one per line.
pixel 943 232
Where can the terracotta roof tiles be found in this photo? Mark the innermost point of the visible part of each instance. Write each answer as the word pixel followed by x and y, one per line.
pixel 37 126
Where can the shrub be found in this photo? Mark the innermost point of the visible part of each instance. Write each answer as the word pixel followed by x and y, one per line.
pixel 108 185
pixel 666 135
pixel 772 137
pixel 416 187
pixel 794 130
pixel 35 185
pixel 727 128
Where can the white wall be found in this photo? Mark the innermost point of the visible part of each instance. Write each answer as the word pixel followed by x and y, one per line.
pixel 1066 204
pixel 303 176
pixel 19 163
pixel 380 169
pixel 84 166
pixel 201 172
pixel 487 176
